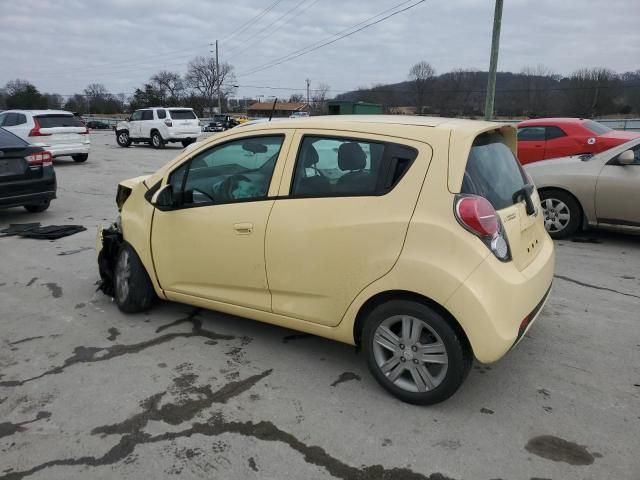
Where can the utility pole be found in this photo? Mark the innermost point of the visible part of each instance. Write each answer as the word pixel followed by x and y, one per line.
pixel 308 83
pixel 493 63
pixel 218 80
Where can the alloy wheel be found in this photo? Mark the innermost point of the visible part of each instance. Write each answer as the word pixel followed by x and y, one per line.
pixel 556 215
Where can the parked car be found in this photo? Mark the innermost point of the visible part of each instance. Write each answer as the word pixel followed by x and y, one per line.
pixel 97 125
pixel 159 126
pixel 60 132
pixel 27 178
pixel 418 239
pixel 220 123
pixel 601 190
pixel 545 138
pixel 299 115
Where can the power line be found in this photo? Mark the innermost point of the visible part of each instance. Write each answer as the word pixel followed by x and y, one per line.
pixel 252 20
pixel 333 39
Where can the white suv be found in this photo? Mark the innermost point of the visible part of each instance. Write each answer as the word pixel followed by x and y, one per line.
pixel 158 126
pixel 60 132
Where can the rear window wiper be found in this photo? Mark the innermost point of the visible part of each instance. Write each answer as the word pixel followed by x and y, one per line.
pixel 525 194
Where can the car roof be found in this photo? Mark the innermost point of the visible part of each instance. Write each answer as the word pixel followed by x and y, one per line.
pixel 552 120
pixel 41 112
pixel 350 121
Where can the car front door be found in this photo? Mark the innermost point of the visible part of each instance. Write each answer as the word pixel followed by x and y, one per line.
pixel 340 220
pixel 210 244
pixel 531 143
pixel 558 144
pixel 134 124
pixel 618 192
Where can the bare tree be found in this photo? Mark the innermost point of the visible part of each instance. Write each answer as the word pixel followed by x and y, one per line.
pixel 592 91
pixel 296 97
pixel 319 97
pixel 203 77
pixel 534 98
pixel 421 75
pixel 170 84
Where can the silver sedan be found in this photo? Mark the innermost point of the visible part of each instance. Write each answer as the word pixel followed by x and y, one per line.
pixel 600 190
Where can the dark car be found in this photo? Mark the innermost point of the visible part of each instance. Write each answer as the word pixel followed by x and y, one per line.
pixel 27 178
pixel 96 125
pixel 220 123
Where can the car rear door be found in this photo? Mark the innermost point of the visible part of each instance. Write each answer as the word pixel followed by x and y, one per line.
pixel 145 124
pixel 58 129
pixel 531 144
pixel 340 219
pixel 618 192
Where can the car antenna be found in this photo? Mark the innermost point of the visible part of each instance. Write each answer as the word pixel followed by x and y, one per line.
pixel 273 108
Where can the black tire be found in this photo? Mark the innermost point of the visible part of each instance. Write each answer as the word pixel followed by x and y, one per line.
pixel 123 139
pixel 445 379
pixel 40 207
pixel 81 157
pixel 156 140
pixel 133 289
pixel 556 204
pixel 187 142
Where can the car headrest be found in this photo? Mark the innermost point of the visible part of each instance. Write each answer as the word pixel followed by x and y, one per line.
pixel 351 157
pixel 310 156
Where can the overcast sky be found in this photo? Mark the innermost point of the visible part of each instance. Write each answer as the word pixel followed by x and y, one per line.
pixel 63 45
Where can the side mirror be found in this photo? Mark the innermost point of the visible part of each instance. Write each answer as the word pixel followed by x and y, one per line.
pixel 626 158
pixel 163 198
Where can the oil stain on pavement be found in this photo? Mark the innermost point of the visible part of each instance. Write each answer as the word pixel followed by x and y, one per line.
pixel 559 450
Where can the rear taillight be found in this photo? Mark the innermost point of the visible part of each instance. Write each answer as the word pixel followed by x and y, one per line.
pixel 40 158
pixel 35 131
pixel 479 217
pixel 168 123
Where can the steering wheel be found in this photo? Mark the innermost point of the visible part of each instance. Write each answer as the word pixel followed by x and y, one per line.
pixel 229 184
pixel 203 193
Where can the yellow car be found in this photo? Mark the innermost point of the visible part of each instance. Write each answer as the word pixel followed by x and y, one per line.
pixel 421 240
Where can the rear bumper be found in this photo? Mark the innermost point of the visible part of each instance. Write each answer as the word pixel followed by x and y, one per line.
pixel 29 192
pixel 179 136
pixel 64 149
pixel 497 304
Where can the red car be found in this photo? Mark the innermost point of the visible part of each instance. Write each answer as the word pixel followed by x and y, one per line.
pixel 544 138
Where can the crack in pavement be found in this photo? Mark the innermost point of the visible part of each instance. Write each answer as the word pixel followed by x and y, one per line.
pixel 24 340
pixel 578 282
pixel 187 408
pixel 100 354
pixel 7 428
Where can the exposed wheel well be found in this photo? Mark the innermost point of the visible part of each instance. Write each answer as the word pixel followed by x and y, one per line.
pixel 383 297
pixel 583 219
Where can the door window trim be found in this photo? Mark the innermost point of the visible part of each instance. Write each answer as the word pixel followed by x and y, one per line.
pixel 382 183
pixel 217 145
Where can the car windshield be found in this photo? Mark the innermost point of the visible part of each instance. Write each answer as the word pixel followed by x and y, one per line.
pixel 58 120
pixel 596 127
pixel 493 172
pixel 182 114
pixel 219 118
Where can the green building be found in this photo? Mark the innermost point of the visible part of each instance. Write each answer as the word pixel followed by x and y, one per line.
pixel 342 107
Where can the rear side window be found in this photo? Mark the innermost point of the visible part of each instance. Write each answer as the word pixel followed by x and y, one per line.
pixel 147 115
pixel 9 120
pixel 58 120
pixel 9 139
pixel 596 127
pixel 493 172
pixel 531 133
pixel 161 113
pixel 555 132
pixel 182 114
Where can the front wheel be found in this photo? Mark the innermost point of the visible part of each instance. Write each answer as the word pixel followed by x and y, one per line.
pixel 414 352
pixel 133 289
pixel 81 157
pixel 123 138
pixel 562 214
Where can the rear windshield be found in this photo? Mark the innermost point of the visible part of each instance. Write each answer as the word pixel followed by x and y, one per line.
pixel 182 114
pixel 596 127
pixel 57 120
pixel 493 172
pixel 8 139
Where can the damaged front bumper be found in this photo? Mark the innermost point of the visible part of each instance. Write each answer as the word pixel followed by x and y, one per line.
pixel 108 243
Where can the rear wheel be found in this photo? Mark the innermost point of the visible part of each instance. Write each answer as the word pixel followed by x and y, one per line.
pixel 414 353
pixel 156 140
pixel 562 214
pixel 133 289
pixel 81 157
pixel 123 138
pixel 39 207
